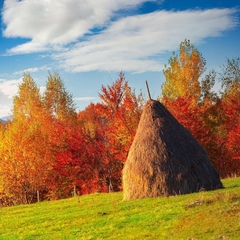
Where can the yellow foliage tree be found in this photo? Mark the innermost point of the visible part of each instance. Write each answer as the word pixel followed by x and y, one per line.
pixel 57 101
pixel 25 152
pixel 183 73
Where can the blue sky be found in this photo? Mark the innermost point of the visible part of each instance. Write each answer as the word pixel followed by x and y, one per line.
pixel 89 42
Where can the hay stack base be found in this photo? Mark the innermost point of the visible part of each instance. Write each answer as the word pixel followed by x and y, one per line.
pixel 165 159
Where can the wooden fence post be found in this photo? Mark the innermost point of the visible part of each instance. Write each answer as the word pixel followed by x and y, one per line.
pixel 38 197
pixel 74 191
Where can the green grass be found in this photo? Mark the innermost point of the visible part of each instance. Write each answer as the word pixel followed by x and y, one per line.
pixel 204 215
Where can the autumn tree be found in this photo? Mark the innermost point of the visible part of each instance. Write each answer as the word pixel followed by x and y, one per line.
pixel 212 118
pixel 230 76
pixel 26 156
pixel 183 73
pixel 122 108
pixel 182 90
pixel 191 99
pixel 221 116
pixel 60 107
pixel 2 128
pixel 27 103
pixel 39 133
pixel 57 101
pixel 93 125
pixel 123 104
pixel 110 127
pixel 75 165
pixel 230 104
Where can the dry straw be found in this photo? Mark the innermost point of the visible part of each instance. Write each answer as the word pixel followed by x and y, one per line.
pixel 165 159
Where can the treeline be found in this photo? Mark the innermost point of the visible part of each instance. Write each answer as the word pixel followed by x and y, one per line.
pixel 213 118
pixel 51 149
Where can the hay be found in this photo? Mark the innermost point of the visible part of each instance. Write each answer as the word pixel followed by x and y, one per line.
pixel 165 159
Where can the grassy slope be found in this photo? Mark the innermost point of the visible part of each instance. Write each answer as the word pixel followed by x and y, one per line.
pixel 205 215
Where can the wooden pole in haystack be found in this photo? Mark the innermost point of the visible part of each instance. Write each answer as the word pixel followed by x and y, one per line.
pixel 149 95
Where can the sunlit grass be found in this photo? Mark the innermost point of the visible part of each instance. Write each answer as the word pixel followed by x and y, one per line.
pixel 204 215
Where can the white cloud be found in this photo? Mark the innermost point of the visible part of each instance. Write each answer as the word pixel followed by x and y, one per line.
pixel 29 47
pixel 33 70
pixel 136 43
pixel 42 89
pixel 9 88
pixel 85 98
pixel 133 43
pixel 52 23
pixel 5 110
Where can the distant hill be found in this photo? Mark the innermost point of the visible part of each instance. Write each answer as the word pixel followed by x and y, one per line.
pixel 5 119
pixel 2 121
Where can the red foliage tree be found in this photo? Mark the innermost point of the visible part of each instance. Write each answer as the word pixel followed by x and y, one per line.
pixel 111 126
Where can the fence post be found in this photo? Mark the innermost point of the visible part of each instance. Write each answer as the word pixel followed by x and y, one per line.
pixel 74 191
pixel 38 197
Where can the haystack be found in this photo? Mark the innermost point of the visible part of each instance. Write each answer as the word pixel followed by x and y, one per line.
pixel 165 159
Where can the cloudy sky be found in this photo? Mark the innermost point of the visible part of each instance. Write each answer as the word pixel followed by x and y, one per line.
pixel 89 42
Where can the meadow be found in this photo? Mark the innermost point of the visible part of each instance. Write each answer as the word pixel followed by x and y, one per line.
pixel 203 215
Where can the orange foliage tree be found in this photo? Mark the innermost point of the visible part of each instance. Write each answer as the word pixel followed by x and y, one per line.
pixel 47 149
pixel 62 117
pixel 40 131
pixel 25 150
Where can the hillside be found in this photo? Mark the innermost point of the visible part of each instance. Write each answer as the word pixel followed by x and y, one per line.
pixel 6 118
pixel 2 121
pixel 204 215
